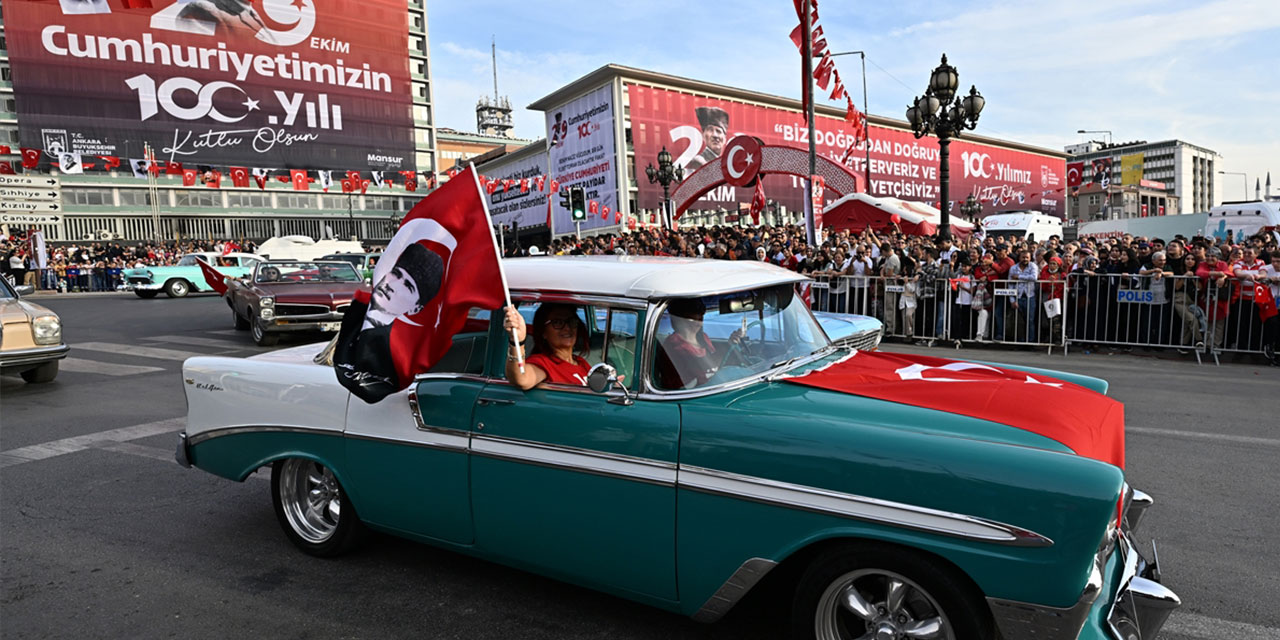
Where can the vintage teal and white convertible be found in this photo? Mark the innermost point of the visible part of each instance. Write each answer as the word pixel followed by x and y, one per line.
pixel 879 519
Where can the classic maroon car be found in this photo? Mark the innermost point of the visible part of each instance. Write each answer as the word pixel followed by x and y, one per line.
pixel 282 296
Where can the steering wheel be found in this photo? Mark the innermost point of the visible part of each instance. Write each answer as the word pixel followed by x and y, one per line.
pixel 741 349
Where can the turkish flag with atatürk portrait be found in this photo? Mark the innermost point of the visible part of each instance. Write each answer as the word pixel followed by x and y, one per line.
pixel 441 263
pixel 1085 421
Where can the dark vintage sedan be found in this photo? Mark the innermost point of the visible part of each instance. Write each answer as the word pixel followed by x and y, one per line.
pixel 286 296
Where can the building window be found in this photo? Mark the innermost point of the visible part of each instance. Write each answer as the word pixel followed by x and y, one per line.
pixel 195 198
pixel 422 113
pixel 296 201
pixel 381 203
pixel 135 198
pixel 249 200
pixel 88 196
pixel 337 202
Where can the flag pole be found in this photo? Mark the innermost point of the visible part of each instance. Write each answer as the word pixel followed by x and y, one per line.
pixel 484 202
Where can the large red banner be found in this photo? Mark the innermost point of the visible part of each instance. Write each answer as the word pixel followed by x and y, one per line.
pixel 265 83
pixel 695 128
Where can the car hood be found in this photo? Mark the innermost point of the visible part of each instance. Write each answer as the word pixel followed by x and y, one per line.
pixel 328 293
pixel 843 325
pixel 18 311
pixel 302 354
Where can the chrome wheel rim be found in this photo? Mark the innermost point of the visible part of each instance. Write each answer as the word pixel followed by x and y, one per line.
pixel 179 289
pixel 311 498
pixel 877 604
pixel 258 331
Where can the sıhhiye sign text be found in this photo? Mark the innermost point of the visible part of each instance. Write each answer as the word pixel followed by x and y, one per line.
pixel 280 83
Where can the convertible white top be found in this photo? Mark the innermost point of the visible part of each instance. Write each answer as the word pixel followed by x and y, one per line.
pixel 644 277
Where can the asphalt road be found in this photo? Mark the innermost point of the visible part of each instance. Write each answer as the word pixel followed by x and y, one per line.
pixel 102 535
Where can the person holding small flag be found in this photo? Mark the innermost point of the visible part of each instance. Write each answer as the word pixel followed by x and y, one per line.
pixel 559 342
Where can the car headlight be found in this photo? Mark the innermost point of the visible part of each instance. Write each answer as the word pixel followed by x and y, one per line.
pixel 266 313
pixel 47 330
pixel 267 302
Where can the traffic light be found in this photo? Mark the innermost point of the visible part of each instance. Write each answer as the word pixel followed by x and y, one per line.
pixel 578 203
pixel 564 198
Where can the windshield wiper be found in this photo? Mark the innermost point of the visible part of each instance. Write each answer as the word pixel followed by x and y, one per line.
pixel 815 355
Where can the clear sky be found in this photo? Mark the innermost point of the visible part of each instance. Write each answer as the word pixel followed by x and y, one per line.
pixel 1204 72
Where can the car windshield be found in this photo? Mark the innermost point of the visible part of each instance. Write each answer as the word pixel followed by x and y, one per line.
pixel 6 293
pixel 287 272
pixel 719 339
pixel 354 259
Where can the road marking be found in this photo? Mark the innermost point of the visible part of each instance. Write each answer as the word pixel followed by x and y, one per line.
pixel 196 340
pixel 77 365
pixel 134 350
pixel 80 443
pixel 1197 626
pixel 155 453
pixel 1221 437
pixel 228 332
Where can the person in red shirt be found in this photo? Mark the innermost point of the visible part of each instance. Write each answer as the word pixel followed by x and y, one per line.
pixel 559 342
pixel 1215 276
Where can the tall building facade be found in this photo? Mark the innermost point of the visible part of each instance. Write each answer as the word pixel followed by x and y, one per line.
pixel 1189 172
pixel 113 205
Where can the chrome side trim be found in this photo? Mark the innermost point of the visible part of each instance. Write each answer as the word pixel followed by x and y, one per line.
pixel 574 459
pixel 1026 620
pixel 734 588
pixel 433 437
pixel 897 514
pixel 433 440
pixel 528 295
pixel 195 439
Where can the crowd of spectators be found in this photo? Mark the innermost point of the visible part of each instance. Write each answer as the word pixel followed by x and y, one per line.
pixel 1195 292
pixel 1198 291
pixel 93 266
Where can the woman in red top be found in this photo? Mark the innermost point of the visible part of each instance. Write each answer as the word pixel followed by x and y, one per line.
pixel 559 340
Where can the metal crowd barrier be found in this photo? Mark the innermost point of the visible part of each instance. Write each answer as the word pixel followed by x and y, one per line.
pixel 1117 310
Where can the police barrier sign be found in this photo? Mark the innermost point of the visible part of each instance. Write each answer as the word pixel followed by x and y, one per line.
pixel 1138 296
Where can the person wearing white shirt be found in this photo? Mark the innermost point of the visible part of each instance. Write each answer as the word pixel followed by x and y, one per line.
pixel 1024 304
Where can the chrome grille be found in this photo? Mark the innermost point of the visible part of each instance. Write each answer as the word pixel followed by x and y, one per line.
pixel 300 310
pixel 865 341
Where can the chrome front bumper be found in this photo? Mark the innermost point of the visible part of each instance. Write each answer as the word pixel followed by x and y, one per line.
pixel 34 355
pixel 140 286
pixel 1137 609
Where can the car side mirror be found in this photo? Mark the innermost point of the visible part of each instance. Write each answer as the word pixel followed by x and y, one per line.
pixel 602 378
pixel 24 290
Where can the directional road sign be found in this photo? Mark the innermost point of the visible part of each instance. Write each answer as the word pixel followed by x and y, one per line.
pixel 29 193
pixel 29 181
pixel 10 206
pixel 29 218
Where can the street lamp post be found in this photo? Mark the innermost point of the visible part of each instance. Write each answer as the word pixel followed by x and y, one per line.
pixel 1242 174
pixel 971 208
pixel 935 113
pixel 1108 141
pixel 666 174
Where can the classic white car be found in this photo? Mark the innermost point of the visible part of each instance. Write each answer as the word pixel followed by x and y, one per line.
pixel 880 519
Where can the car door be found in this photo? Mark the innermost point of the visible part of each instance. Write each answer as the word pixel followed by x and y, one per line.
pixel 407 455
pixel 576 484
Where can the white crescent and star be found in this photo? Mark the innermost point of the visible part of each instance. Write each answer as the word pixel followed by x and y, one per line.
pixel 916 372
pixel 733 172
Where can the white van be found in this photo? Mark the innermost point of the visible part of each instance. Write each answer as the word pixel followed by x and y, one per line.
pixel 1033 225
pixel 1243 219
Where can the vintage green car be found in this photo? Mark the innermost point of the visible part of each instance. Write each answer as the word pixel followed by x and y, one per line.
pixel 879 519
pixel 178 280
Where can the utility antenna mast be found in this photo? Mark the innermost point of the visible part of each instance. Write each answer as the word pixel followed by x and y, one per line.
pixel 493 118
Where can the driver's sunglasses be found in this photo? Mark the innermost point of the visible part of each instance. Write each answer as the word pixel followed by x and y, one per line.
pixel 562 323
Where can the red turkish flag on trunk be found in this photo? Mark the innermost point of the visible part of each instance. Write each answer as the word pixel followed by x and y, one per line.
pixel 30 158
pixel 215 279
pixel 442 262
pixel 240 177
pixel 189 176
pixel 1086 422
